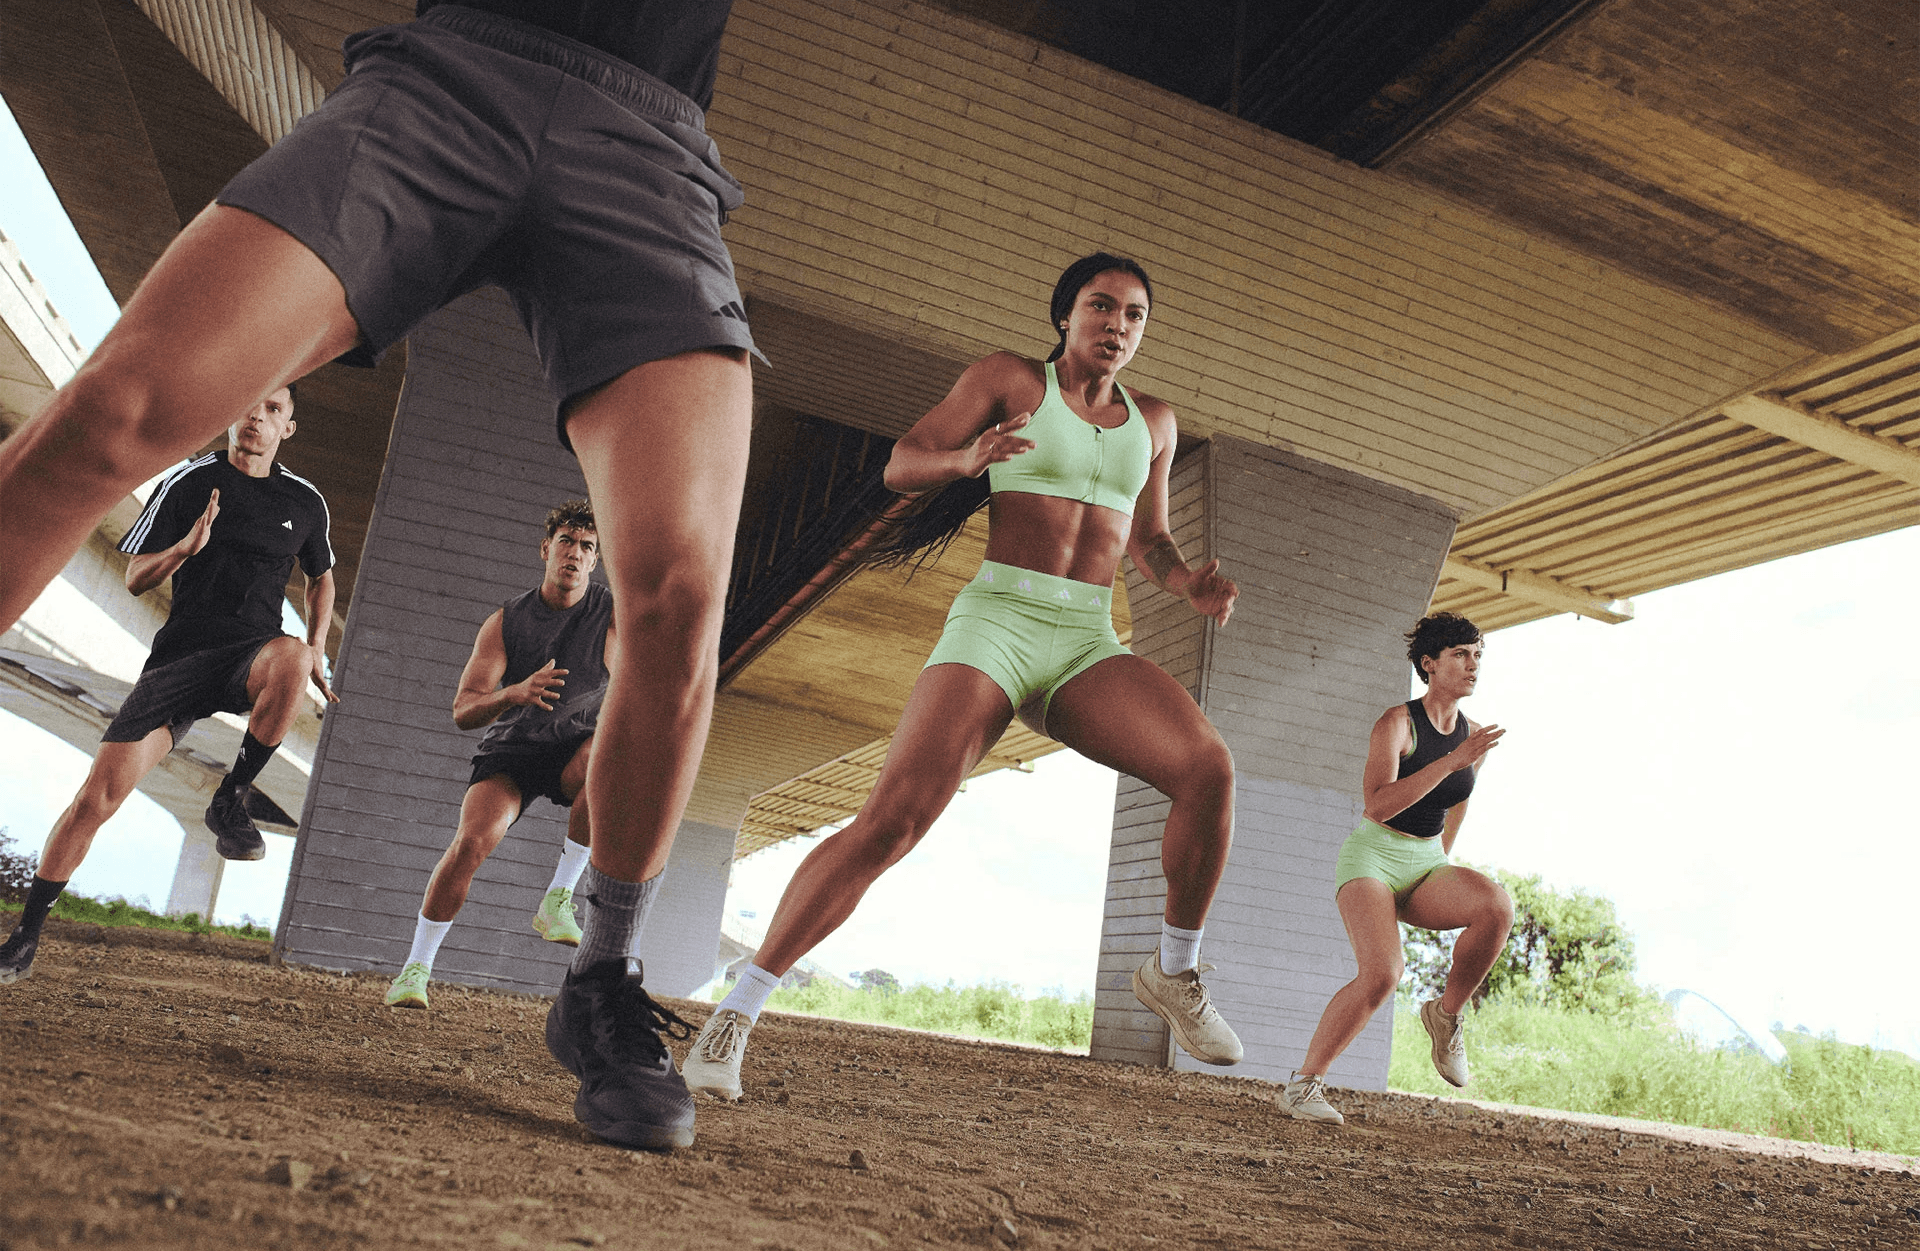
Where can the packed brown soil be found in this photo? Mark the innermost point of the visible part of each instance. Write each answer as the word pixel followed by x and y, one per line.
pixel 167 1091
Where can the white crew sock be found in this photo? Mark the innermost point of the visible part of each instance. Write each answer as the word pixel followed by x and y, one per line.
pixel 573 862
pixel 1179 949
pixel 750 993
pixel 427 936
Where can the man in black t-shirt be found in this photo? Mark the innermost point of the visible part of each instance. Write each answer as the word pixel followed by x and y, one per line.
pixel 227 528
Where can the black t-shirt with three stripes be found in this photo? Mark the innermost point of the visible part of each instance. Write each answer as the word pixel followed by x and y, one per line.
pixel 231 591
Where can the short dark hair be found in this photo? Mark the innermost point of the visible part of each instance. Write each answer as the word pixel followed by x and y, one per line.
pixel 1434 634
pixel 293 392
pixel 572 515
pixel 1076 276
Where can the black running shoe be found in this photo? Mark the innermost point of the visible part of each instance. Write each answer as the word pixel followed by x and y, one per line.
pixel 16 956
pixel 235 836
pixel 606 1031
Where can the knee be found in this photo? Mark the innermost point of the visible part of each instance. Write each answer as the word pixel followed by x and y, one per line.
pixel 1204 773
pixel 1499 910
pixel 94 805
pixel 470 848
pixel 668 614
pixel 1376 986
pixel 102 427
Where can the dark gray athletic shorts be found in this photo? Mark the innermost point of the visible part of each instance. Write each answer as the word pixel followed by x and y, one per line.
pixel 465 149
pixel 182 691
pixel 535 770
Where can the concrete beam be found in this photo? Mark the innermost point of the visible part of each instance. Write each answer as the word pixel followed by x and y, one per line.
pixel 1827 434
pixel 1540 589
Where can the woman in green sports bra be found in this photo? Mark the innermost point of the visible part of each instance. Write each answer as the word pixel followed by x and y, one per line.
pixel 1078 474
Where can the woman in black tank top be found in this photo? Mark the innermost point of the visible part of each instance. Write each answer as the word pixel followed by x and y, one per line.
pixel 1422 760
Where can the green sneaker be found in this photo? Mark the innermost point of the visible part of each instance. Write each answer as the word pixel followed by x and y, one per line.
pixel 554 920
pixel 409 990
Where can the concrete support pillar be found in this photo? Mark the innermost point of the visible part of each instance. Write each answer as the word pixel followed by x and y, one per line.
pixel 471 472
pixel 1333 567
pixel 196 878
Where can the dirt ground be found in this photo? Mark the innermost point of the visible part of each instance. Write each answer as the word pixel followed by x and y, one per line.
pixel 170 1091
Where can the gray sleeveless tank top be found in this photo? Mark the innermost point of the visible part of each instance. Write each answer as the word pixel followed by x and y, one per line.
pixel 575 639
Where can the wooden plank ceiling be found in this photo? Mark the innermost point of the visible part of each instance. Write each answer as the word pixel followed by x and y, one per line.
pixel 1735 485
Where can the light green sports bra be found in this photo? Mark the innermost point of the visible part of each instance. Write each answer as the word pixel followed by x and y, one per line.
pixel 1074 459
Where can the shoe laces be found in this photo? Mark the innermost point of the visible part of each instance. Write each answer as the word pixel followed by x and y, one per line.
pixel 729 1036
pixel 1193 992
pixel 1456 1043
pixel 1313 1091
pixel 628 1020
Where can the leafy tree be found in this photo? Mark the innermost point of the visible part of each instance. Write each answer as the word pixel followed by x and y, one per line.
pixel 1567 949
pixel 16 870
pixel 877 980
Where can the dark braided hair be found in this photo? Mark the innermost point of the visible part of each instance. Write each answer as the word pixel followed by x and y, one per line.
pixel 925 533
pixel 1435 634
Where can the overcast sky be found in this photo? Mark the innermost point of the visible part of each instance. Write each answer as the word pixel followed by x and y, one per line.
pixel 1732 768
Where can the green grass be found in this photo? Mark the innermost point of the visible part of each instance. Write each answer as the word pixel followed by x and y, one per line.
pixel 992 1011
pixel 116 912
pixel 1638 1065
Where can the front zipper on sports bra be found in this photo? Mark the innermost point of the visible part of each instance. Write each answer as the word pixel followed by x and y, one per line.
pixel 1099 461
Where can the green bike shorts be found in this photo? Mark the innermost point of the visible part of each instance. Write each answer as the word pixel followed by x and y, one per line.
pixel 1400 860
pixel 1032 633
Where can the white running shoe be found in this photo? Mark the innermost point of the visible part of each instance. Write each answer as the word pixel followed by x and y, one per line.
pixel 1182 1002
pixel 713 1062
pixel 1449 1033
pixel 1305 1099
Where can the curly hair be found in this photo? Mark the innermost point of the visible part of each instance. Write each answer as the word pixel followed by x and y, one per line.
pixel 1434 634
pixel 944 513
pixel 572 515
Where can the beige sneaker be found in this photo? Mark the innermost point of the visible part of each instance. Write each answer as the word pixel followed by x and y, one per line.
pixel 1449 1033
pixel 1181 1001
pixel 1305 1099
pixel 713 1062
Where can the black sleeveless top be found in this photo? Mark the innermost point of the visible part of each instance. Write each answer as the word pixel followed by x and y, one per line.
pixel 575 639
pixel 1424 817
pixel 676 41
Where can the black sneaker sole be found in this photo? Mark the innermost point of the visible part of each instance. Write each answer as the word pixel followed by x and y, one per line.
pixel 631 1134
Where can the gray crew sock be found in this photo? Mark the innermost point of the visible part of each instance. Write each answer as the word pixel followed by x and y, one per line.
pixel 616 912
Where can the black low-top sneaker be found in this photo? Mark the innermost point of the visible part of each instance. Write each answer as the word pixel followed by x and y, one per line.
pixel 605 1030
pixel 16 956
pixel 235 836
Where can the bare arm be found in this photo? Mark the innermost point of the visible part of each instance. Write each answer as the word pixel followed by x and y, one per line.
pixel 1387 795
pixel 964 433
pixel 481 699
pixel 319 597
pixel 144 572
pixel 1150 541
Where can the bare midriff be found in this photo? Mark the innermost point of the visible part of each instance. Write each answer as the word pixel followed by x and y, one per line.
pixel 1061 537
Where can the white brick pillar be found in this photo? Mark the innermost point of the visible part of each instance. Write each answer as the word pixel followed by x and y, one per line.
pixel 1333 567
pixel 471 471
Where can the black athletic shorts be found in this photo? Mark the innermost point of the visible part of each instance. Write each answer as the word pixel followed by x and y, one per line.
pixel 180 692
pixel 535 770
pixel 467 148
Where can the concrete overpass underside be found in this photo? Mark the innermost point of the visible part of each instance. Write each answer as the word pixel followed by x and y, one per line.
pixel 1561 304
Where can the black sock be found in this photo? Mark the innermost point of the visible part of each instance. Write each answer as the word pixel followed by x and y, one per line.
pixel 40 897
pixel 253 757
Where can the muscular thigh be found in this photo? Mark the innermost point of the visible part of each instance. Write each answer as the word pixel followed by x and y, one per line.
pixel 954 715
pixel 1128 714
pixel 1449 898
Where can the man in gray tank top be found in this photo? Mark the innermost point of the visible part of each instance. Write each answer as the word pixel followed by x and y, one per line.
pixel 535 680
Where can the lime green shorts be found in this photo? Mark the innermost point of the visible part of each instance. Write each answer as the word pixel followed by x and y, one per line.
pixel 1400 860
pixel 1030 632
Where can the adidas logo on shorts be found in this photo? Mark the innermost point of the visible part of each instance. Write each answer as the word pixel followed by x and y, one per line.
pixel 731 309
